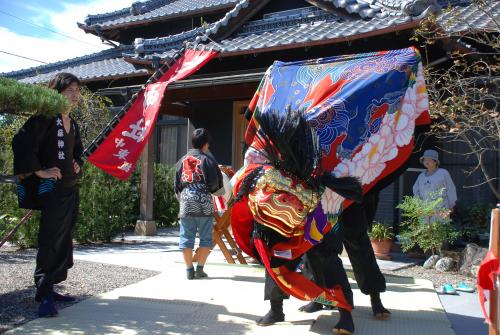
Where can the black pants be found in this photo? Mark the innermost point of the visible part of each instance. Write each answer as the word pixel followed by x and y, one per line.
pixel 55 245
pixel 321 264
pixel 355 221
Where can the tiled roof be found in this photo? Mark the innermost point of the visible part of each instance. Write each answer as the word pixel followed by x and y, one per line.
pixel 384 8
pixel 313 27
pixel 152 9
pixel 166 47
pixel 311 24
pixel 471 17
pixel 105 64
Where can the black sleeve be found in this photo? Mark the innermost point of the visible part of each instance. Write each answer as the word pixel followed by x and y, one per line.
pixel 26 145
pixel 78 149
pixel 213 175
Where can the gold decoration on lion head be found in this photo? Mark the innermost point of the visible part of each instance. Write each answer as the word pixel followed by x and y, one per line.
pixel 282 203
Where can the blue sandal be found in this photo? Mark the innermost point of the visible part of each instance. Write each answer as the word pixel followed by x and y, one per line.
pixel 463 287
pixel 447 289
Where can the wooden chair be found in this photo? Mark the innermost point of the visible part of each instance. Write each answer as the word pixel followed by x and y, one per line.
pixel 221 231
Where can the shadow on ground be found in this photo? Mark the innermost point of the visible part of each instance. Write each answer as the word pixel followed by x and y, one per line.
pixel 171 317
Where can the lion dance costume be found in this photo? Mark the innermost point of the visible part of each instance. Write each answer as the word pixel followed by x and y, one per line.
pixel 322 132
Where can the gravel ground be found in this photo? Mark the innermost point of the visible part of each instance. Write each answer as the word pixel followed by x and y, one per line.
pixel 436 277
pixel 85 279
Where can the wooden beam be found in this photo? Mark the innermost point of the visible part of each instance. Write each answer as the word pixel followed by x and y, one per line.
pixel 222 92
pixel 175 109
pixel 145 225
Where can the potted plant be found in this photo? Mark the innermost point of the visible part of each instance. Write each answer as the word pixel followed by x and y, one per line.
pixel 381 236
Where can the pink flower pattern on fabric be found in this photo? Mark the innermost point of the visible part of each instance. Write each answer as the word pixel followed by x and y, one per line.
pixel 396 130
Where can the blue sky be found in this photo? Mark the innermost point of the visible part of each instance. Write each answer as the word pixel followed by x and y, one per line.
pixel 24 39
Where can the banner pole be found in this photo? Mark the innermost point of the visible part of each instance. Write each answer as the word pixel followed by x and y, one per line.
pixel 115 120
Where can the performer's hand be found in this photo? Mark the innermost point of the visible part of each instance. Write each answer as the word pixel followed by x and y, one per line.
pixel 54 173
pixel 76 167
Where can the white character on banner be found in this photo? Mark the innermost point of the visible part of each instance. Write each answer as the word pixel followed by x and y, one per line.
pixel 137 131
pixel 60 133
pixel 60 144
pixel 126 166
pixel 122 154
pixel 151 96
pixel 120 142
pixel 59 122
pixel 60 155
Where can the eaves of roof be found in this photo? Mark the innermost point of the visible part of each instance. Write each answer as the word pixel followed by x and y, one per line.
pixel 100 70
pixel 228 78
pixel 163 10
pixel 108 64
pixel 312 35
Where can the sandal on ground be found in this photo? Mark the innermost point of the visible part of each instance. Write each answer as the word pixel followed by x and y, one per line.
pixel 345 325
pixel 271 318
pixel 463 287
pixel 447 289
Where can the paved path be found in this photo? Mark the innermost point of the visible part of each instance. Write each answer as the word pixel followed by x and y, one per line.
pixel 228 302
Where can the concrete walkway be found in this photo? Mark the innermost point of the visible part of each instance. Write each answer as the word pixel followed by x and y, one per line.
pixel 228 302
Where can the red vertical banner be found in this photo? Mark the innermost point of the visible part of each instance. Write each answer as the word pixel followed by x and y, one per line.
pixel 119 152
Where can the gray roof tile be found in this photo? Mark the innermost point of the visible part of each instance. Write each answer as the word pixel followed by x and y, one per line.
pixel 107 63
pixel 108 68
pixel 142 11
pixel 312 25
pixel 471 17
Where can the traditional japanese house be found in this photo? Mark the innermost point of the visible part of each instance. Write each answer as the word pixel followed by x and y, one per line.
pixel 250 35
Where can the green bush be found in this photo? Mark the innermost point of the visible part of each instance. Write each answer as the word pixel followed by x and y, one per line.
pixel 26 236
pixel 108 206
pixel 425 225
pixel 472 219
pixel 166 207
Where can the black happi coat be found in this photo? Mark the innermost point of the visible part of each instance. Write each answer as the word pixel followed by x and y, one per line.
pixel 40 144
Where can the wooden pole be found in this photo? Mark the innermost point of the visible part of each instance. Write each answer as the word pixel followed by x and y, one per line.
pixel 495 249
pixel 146 226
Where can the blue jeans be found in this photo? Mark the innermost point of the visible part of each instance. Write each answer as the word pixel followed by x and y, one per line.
pixel 189 226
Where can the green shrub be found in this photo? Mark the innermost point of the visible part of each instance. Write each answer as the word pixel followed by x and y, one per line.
pixel 472 219
pixel 380 232
pixel 108 206
pixel 166 207
pixel 425 225
pixel 26 236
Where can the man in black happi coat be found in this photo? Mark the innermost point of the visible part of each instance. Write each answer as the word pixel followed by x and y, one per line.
pixel 47 154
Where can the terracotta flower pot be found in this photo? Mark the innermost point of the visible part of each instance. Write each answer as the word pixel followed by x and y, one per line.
pixel 382 248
